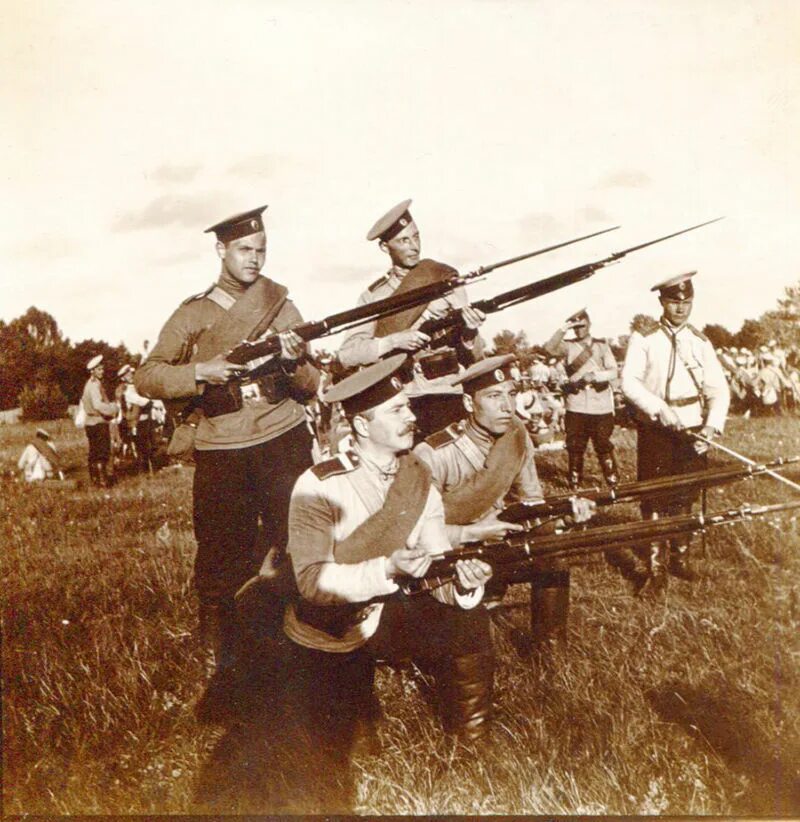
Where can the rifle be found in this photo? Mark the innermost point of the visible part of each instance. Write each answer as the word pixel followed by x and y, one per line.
pixel 249 352
pixel 559 505
pixel 440 329
pixel 521 550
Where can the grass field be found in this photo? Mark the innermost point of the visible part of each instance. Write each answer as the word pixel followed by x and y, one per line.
pixel 686 703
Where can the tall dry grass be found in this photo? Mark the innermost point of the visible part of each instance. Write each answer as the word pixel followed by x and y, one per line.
pixel 681 704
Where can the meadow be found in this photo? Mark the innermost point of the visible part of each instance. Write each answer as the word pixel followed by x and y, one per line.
pixel 682 703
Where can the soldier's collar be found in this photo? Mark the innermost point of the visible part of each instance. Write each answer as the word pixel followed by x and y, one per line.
pixel 385 470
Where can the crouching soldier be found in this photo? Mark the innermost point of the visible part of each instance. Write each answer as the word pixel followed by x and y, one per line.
pixel 358 523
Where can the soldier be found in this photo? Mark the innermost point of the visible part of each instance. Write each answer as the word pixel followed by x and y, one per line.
pixel 98 414
pixel 434 400
pixel 40 459
pixel 251 440
pixel 590 367
pixel 358 523
pixel 485 463
pixel 675 381
pixel 138 419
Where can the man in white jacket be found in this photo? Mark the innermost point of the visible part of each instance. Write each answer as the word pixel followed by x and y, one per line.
pixel 358 524
pixel 673 378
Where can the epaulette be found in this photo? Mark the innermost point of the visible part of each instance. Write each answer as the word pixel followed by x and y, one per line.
pixel 379 282
pixel 200 295
pixel 340 464
pixel 696 332
pixel 444 437
pixel 599 339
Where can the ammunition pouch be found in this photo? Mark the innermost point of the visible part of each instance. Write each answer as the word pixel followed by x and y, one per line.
pixel 233 396
pixel 579 385
pixel 439 364
pixel 335 620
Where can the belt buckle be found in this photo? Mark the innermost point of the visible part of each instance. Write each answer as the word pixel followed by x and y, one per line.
pixel 250 392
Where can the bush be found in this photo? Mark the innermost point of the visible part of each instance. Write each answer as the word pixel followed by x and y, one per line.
pixel 45 401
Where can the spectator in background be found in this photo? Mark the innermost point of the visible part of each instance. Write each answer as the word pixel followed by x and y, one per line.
pixel 99 412
pixel 40 459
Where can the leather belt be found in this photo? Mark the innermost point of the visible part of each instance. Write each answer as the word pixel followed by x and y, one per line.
pixel 683 402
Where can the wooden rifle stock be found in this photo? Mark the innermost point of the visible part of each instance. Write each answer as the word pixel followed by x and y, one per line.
pixel 525 550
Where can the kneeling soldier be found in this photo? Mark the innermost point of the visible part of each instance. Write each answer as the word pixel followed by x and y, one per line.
pixel 356 523
pixel 483 464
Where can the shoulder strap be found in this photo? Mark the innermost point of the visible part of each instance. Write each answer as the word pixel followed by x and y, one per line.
pixel 340 464
pixel 444 437
pixel 424 273
pixel 575 365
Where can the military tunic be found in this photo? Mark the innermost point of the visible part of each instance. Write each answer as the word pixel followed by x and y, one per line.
pixel 679 369
pixel 246 461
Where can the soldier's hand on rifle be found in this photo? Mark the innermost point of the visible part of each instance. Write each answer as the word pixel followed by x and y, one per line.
pixel 488 528
pixel 410 562
pixel 583 509
pixel 404 341
pixel 472 573
pixel 699 446
pixel 669 419
pixel 473 317
pixel 217 371
pixel 292 345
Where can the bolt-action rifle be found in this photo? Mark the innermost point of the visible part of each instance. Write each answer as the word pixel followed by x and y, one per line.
pixel 440 329
pixel 559 505
pixel 251 352
pixel 525 550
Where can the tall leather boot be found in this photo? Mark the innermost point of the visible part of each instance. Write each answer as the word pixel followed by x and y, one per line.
pixel 467 685
pixel 575 470
pixel 609 467
pixel 93 477
pixel 100 474
pixel 549 608
pixel 218 633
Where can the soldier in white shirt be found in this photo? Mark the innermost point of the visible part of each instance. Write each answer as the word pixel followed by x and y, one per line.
pixel 676 383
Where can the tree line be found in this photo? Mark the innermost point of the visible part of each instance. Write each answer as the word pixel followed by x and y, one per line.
pixel 42 371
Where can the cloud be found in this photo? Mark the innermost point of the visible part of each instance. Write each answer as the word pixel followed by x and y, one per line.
pixel 592 214
pixel 539 223
pixel 625 179
pixel 174 174
pixel 267 164
pixel 55 247
pixel 168 210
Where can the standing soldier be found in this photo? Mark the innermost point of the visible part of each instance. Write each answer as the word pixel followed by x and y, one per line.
pixel 675 381
pixel 251 441
pixel 138 419
pixel 485 463
pixel 590 367
pixel 434 400
pixel 99 413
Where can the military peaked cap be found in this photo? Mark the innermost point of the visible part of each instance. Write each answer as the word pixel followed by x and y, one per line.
pixel 369 387
pixel 676 288
pixel 239 225
pixel 94 362
pixel 392 223
pixel 124 370
pixel 484 373
pixel 578 315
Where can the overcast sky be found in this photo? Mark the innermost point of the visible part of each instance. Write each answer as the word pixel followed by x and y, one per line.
pixel 131 127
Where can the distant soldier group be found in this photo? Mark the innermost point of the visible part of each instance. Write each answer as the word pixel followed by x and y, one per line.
pixel 432 452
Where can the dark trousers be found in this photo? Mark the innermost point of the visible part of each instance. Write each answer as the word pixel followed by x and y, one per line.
pixel 436 411
pixel 330 693
pixel 144 444
pixel 99 438
pixel 580 428
pixel 234 489
pixel 662 453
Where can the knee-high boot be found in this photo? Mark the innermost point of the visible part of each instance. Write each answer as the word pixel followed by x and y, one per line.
pixel 219 635
pixel 549 608
pixel 575 470
pixel 610 471
pixel 467 685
